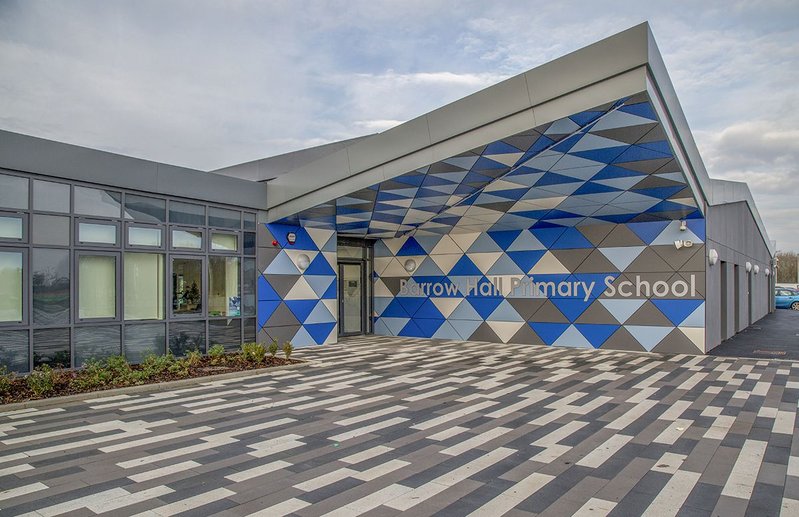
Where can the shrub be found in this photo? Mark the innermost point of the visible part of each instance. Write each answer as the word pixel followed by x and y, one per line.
pixel 5 380
pixel 41 381
pixel 194 357
pixel 93 375
pixel 180 367
pixel 217 354
pixel 288 348
pixel 273 348
pixel 253 352
pixel 119 370
pixel 154 365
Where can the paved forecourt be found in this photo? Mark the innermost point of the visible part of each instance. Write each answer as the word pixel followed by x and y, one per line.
pixel 381 426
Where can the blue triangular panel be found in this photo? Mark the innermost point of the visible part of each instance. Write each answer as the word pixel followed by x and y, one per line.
pixel 319 266
pixel 484 305
pixel 320 314
pixel 265 310
pixel 571 239
pixel 596 334
pixel 301 308
pixel 266 291
pixel 411 247
pixel 677 310
pixel 465 267
pixel 648 231
pixel 319 331
pixel 571 307
pixel 549 332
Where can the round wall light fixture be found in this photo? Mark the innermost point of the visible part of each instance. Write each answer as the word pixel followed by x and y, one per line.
pixel 303 261
pixel 712 257
pixel 757 269
pixel 767 271
pixel 410 265
pixel 748 267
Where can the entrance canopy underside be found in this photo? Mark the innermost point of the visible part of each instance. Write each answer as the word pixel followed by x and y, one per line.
pixel 613 163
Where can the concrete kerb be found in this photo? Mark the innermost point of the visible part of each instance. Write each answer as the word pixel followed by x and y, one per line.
pixel 148 388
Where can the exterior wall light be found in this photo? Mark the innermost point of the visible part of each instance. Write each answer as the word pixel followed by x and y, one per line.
pixel 303 261
pixel 757 269
pixel 748 267
pixel 767 271
pixel 410 265
pixel 713 257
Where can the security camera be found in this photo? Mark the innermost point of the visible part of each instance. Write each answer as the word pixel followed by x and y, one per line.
pixel 678 244
pixel 683 226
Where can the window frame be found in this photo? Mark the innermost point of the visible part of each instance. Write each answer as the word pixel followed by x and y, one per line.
pixel 164 299
pixel 129 224
pixel 101 222
pixel 203 245
pixel 25 231
pixel 74 205
pixel 203 314
pixel 238 251
pixel 223 228
pixel 70 197
pixel 76 286
pixel 26 288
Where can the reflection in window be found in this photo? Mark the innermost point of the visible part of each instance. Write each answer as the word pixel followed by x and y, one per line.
pixel 50 287
pixel 96 343
pixel 223 218
pixel 144 236
pixel 185 336
pixel 249 221
pixel 144 286
pixel 186 213
pixel 97 233
pixel 187 239
pixel 50 197
pixel 145 209
pixel 248 288
pixel 10 227
pixel 52 230
pixel 13 192
pixel 187 286
pixel 51 347
pixel 249 243
pixel 226 333
pixel 97 286
pixel 143 340
pixel 224 242
pixel 11 286
pixel 14 350
pixel 102 203
pixel 224 296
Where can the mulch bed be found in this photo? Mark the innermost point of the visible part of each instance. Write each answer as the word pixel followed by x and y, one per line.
pixel 20 392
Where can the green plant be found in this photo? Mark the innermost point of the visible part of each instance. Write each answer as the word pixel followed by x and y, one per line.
pixel 120 370
pixel 194 357
pixel 288 348
pixel 253 352
pixel 180 367
pixel 41 381
pixel 154 365
pixel 273 348
pixel 217 354
pixel 6 379
pixel 93 375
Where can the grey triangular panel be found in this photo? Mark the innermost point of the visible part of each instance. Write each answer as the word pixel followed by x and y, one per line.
pixel 649 315
pixel 622 340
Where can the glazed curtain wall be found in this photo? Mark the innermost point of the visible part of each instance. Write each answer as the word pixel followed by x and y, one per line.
pixel 294 304
pixel 614 286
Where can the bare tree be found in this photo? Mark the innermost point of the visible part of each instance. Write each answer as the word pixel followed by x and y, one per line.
pixel 787 267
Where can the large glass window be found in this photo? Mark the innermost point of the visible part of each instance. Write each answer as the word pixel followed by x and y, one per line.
pixel 97 233
pixel 224 295
pixel 249 221
pixel 226 333
pixel 11 227
pixel 224 242
pixel 185 336
pixel 97 286
pixel 11 286
pixel 50 287
pixel 101 203
pixel 50 197
pixel 13 192
pixel 144 339
pixel 14 350
pixel 51 347
pixel 140 236
pixel 187 239
pixel 224 218
pixel 52 230
pixel 144 286
pixel 145 209
pixel 187 285
pixel 96 343
pixel 249 243
pixel 248 288
pixel 186 213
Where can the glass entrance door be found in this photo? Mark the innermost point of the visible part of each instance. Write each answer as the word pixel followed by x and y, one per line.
pixel 351 299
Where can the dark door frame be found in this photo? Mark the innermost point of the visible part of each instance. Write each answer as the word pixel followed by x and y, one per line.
pixel 362 265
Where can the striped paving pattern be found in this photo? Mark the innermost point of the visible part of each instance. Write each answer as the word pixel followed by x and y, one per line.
pixel 382 426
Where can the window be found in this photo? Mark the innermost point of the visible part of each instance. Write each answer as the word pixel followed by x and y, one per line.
pixel 186 213
pixel 185 336
pixel 248 288
pixel 11 227
pixel 145 209
pixel 97 286
pixel 51 347
pixel 50 287
pixel 50 197
pixel 226 333
pixel 249 221
pixel 13 192
pixel 100 203
pixel 96 343
pixel 97 233
pixel 224 242
pixel 14 350
pixel 187 239
pixel 223 218
pixel 11 286
pixel 187 285
pixel 249 243
pixel 144 339
pixel 144 286
pixel 142 236
pixel 52 230
pixel 224 295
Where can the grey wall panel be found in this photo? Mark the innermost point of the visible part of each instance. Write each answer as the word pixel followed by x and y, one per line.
pixel 734 233
pixel 56 159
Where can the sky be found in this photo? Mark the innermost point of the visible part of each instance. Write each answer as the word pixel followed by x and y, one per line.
pixel 211 84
